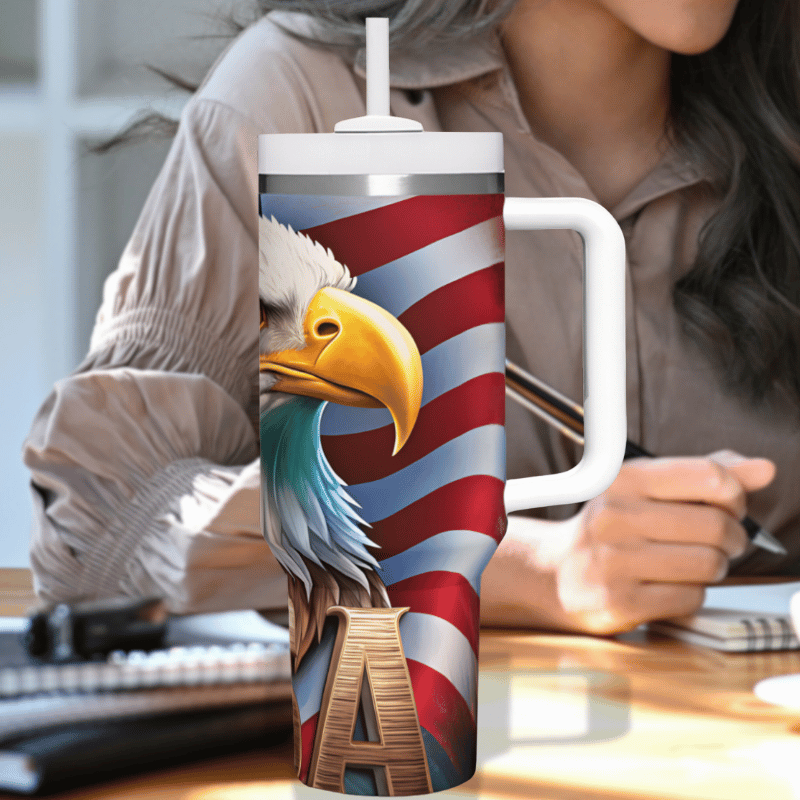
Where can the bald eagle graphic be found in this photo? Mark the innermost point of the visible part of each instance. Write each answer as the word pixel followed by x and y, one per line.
pixel 320 343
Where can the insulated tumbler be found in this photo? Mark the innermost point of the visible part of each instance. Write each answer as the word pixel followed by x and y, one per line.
pixel 382 392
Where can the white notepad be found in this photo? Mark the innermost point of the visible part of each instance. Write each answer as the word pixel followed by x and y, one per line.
pixel 739 618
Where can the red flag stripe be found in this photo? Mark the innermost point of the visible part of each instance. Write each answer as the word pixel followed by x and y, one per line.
pixel 474 503
pixel 401 228
pixel 307 732
pixel 442 419
pixel 443 712
pixel 479 295
pixel 448 595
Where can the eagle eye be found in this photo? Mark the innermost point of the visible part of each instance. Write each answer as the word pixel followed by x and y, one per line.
pixel 263 316
pixel 327 329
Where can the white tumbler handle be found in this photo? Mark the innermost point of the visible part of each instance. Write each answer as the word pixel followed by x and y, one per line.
pixel 604 426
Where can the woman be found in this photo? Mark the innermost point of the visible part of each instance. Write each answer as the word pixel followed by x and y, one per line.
pixel 680 117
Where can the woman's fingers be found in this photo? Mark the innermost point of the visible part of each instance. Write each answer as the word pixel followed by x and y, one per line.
pixel 647 546
pixel 663 600
pixel 696 480
pixel 626 522
pixel 605 591
pixel 752 473
pixel 676 563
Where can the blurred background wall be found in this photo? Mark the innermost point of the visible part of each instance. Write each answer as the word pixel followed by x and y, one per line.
pixel 73 73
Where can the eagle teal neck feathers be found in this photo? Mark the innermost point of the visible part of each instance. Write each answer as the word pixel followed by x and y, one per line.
pixel 317 516
pixel 310 523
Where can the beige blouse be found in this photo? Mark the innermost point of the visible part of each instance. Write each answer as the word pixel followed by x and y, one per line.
pixel 144 461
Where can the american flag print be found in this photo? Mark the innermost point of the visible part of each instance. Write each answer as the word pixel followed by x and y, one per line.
pixel 436 263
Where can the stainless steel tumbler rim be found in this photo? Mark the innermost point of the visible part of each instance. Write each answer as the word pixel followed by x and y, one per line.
pixel 386 185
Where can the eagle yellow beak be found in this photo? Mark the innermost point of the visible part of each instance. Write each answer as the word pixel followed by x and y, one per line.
pixel 356 354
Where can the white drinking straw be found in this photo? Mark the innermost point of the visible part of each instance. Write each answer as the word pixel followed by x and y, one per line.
pixel 378 66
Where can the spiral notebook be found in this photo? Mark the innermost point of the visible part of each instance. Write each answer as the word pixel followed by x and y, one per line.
pixel 210 661
pixel 740 618
pixel 221 684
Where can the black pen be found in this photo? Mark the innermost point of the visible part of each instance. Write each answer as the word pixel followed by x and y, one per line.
pixel 567 416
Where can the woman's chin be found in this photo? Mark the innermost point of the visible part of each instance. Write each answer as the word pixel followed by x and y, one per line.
pixel 688 27
pixel 694 46
pixel 696 30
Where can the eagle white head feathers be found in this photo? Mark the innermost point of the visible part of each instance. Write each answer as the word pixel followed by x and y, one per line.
pixel 292 269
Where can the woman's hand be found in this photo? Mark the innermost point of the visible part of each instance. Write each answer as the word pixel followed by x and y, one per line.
pixel 642 550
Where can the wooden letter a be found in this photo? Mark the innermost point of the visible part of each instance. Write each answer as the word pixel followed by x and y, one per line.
pixel 368 647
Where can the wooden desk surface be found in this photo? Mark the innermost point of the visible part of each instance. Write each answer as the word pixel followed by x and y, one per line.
pixel 636 717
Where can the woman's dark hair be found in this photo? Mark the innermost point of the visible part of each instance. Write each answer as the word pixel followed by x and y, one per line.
pixel 735 113
pixel 413 24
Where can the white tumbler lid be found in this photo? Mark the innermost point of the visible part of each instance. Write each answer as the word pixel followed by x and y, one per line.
pixel 379 153
pixel 379 143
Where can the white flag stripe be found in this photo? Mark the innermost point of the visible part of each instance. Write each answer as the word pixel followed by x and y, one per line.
pixel 439 645
pixel 309 681
pixel 464 552
pixel 461 358
pixel 308 211
pixel 480 451
pixel 399 284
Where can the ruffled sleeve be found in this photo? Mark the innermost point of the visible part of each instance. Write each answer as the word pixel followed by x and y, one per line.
pixel 144 461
